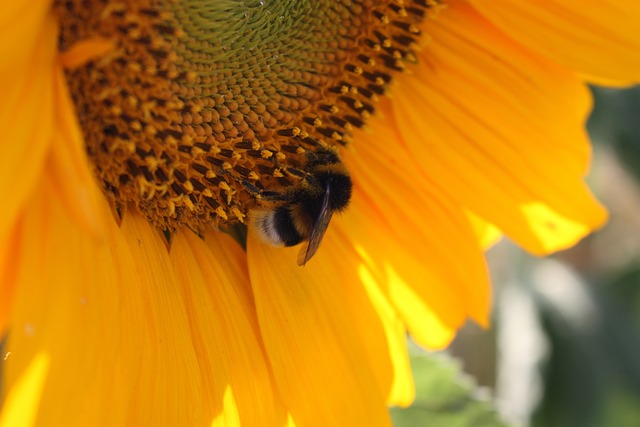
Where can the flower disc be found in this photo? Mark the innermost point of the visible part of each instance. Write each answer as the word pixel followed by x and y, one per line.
pixel 202 105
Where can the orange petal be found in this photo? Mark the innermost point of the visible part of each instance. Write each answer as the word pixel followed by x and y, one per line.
pixel 598 39
pixel 22 22
pixel 27 52
pixel 127 343
pixel 501 131
pixel 84 51
pixel 422 238
pixel 397 385
pixel 69 166
pixel 325 342
pixel 9 258
pixel 225 332
pixel 65 310
pixel 235 260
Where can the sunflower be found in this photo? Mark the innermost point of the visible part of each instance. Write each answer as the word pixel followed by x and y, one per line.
pixel 152 126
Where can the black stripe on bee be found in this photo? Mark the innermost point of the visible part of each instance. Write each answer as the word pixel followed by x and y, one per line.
pixel 303 213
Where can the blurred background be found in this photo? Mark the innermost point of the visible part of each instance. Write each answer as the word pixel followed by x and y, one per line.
pixel 564 350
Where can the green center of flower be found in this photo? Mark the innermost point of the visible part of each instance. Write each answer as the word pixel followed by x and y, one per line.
pixel 204 102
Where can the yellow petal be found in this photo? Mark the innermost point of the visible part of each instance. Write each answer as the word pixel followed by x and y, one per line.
pixel 601 40
pixel 225 333
pixel 501 131
pixel 324 340
pixel 487 233
pixel 27 56
pixel 402 391
pixel 21 405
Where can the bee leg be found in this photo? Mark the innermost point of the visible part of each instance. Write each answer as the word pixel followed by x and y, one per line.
pixel 257 192
pixel 274 196
pixel 251 188
pixel 266 195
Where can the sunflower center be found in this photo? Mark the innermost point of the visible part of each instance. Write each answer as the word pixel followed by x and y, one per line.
pixel 204 103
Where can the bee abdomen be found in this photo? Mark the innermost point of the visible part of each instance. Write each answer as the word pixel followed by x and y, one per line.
pixel 277 227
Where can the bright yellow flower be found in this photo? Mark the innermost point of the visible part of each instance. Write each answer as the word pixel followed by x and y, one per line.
pixel 106 325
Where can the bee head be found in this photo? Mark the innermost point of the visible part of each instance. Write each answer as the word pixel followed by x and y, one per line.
pixel 322 157
pixel 327 170
pixel 336 177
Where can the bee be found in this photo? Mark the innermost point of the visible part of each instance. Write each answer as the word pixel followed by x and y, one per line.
pixel 302 213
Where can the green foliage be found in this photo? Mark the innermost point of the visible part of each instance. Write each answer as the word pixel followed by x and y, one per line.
pixel 445 397
pixel 615 122
pixel 593 376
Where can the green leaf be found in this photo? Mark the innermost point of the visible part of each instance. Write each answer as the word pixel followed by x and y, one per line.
pixel 445 397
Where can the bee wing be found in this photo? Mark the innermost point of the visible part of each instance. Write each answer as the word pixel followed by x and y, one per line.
pixel 310 247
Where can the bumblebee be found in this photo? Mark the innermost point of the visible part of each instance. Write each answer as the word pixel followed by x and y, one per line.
pixel 302 213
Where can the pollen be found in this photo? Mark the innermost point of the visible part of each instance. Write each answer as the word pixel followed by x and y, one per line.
pixel 201 105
